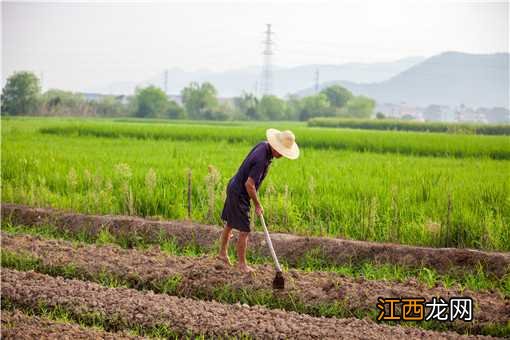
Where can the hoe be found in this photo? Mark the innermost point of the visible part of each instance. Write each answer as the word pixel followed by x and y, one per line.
pixel 279 280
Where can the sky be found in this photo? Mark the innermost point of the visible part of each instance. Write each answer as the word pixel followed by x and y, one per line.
pixel 80 45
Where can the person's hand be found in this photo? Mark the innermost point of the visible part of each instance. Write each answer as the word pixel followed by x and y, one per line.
pixel 259 210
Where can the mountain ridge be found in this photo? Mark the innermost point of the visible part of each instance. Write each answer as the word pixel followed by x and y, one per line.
pixel 450 78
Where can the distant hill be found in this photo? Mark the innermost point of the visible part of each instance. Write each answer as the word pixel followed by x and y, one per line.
pixel 286 80
pixel 450 78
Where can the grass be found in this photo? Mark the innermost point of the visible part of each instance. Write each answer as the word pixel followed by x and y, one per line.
pixel 453 199
pixel 402 125
pixel 476 279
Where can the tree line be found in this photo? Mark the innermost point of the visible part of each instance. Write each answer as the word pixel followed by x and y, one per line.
pixel 22 95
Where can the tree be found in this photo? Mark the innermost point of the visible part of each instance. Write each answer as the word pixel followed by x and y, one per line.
pixel 65 103
pixel 359 107
pixel 21 93
pixel 293 107
pixel 247 105
pixel 380 115
pixel 150 102
pixel 200 101
pixel 337 95
pixel 109 106
pixel 272 108
pixel 175 111
pixel 315 106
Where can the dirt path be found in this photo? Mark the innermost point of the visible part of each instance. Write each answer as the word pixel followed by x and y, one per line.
pixel 289 247
pixel 182 315
pixel 16 325
pixel 201 276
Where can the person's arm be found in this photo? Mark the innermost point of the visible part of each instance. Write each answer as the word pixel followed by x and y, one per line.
pixel 252 192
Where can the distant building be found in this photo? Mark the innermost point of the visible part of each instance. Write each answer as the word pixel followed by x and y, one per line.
pixel 96 97
pixel 438 113
pixel 411 111
pixel 93 97
pixel 444 113
pixel 388 109
pixel 176 98
pixel 497 115
pixel 469 115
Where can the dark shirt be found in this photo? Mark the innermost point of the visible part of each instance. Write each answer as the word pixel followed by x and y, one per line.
pixel 255 165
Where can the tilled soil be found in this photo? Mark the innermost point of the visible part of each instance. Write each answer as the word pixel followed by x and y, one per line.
pixel 16 325
pixel 290 247
pixel 182 315
pixel 200 276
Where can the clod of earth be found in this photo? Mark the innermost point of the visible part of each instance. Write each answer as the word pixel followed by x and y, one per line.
pixel 289 247
pixel 203 276
pixel 183 315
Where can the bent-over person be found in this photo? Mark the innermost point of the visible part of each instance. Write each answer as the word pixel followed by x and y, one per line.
pixel 244 186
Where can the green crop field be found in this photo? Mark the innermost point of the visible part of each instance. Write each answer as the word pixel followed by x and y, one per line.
pixel 409 187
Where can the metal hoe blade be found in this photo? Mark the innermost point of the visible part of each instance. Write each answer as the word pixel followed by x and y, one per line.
pixel 279 281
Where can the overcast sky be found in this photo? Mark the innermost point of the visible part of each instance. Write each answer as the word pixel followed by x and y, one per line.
pixel 85 44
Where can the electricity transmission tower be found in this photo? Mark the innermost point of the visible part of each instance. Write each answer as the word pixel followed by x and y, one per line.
pixel 316 80
pixel 267 68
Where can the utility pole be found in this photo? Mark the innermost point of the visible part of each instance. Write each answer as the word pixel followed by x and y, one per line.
pixel 42 81
pixel 166 81
pixel 316 80
pixel 267 69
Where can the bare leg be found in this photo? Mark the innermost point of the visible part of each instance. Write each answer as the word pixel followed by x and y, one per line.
pixel 242 243
pixel 224 238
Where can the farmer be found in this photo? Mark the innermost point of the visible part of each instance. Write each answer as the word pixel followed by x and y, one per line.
pixel 244 185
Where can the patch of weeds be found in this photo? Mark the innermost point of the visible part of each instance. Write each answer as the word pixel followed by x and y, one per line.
pixel 313 260
pixel 192 250
pixel 477 280
pixel 497 330
pixel 169 285
pixel 131 240
pixel 83 236
pixel 506 285
pixel 23 262
pixel 169 246
pixel 109 280
pixel 428 276
pixel 46 230
pixel 68 271
pixel 105 237
pixel 448 281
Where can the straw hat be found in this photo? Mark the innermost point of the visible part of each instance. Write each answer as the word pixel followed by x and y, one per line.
pixel 284 142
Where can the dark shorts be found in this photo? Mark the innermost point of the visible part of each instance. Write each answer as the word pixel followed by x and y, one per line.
pixel 236 211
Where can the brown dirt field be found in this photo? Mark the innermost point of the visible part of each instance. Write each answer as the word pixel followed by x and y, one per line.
pixel 289 247
pixel 16 325
pixel 202 275
pixel 182 315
